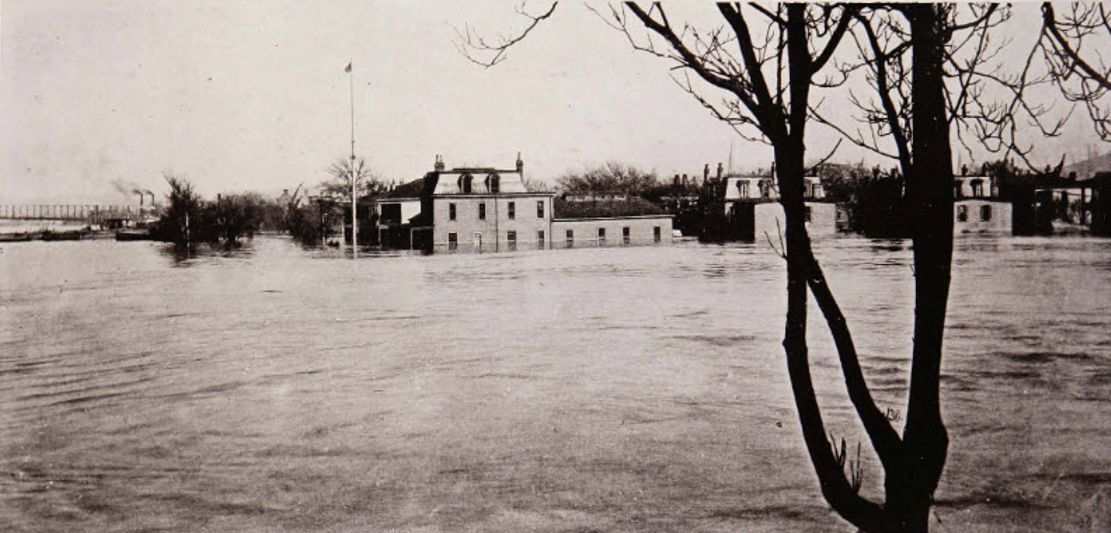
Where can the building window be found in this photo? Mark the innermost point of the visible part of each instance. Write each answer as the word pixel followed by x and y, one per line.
pixel 466 183
pixel 492 183
pixel 451 211
pixel 625 235
pixel 601 236
pixel 540 209
pixel 482 211
pixel 570 238
pixel 742 189
pixel 512 210
pixel 962 213
pixel 540 239
pixel 809 213
pixel 977 188
pixel 985 213
pixel 452 241
pixel 511 237
pixel 656 233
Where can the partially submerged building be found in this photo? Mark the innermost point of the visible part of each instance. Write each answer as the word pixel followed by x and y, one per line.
pixel 978 207
pixel 616 221
pixel 487 209
pixel 1047 203
pixel 752 210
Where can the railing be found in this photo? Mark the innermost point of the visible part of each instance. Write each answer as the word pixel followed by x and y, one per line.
pixel 92 214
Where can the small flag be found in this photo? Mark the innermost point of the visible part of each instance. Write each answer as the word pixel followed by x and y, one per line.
pixel 348 69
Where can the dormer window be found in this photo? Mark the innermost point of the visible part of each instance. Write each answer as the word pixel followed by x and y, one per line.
pixel 742 188
pixel 465 183
pixel 492 183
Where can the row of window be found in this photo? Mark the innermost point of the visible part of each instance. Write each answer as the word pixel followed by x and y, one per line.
pixel 657 234
pixel 511 210
pixel 511 238
pixel 466 180
pixel 962 213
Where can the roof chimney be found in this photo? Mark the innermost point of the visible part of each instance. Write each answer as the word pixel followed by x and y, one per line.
pixel 520 164
pixel 719 170
pixel 439 166
pixel 705 173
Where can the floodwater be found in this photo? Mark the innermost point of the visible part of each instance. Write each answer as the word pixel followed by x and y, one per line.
pixel 622 389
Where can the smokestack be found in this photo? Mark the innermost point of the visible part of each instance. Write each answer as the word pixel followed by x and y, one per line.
pixel 141 195
pixel 151 198
pixel 705 173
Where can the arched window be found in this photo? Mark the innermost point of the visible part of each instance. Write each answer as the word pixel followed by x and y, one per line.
pixel 492 183
pixel 465 183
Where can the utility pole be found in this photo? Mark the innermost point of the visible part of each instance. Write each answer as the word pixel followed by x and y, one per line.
pixel 354 174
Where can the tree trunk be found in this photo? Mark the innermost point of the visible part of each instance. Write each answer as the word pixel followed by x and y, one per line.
pixel 910 487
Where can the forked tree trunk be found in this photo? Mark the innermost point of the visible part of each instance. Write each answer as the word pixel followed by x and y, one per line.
pixel 930 195
pixel 913 464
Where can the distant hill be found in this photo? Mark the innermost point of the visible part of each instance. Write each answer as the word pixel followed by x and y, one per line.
pixel 1087 168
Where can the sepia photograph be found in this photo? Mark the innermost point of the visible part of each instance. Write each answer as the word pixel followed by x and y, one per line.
pixel 570 267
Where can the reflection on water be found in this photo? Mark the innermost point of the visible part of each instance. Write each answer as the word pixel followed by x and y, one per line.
pixel 278 388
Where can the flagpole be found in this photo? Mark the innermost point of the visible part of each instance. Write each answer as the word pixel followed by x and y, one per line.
pixel 354 174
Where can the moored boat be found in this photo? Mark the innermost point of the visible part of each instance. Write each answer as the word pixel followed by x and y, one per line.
pixel 133 234
pixel 50 235
pixel 15 237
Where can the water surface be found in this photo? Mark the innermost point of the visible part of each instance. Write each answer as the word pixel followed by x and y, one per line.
pixel 636 389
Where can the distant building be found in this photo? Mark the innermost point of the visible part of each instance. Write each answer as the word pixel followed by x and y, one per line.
pixel 977 207
pixel 394 212
pixel 483 209
pixel 616 221
pixel 1101 203
pixel 752 208
pixel 486 209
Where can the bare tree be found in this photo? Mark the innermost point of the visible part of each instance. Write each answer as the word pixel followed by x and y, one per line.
pixel 611 177
pixel 1071 47
pixel 339 186
pixel 928 66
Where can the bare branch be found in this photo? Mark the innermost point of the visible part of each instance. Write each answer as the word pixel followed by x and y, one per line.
pixel 471 45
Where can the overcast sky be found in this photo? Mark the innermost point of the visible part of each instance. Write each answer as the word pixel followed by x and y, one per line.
pixel 252 96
